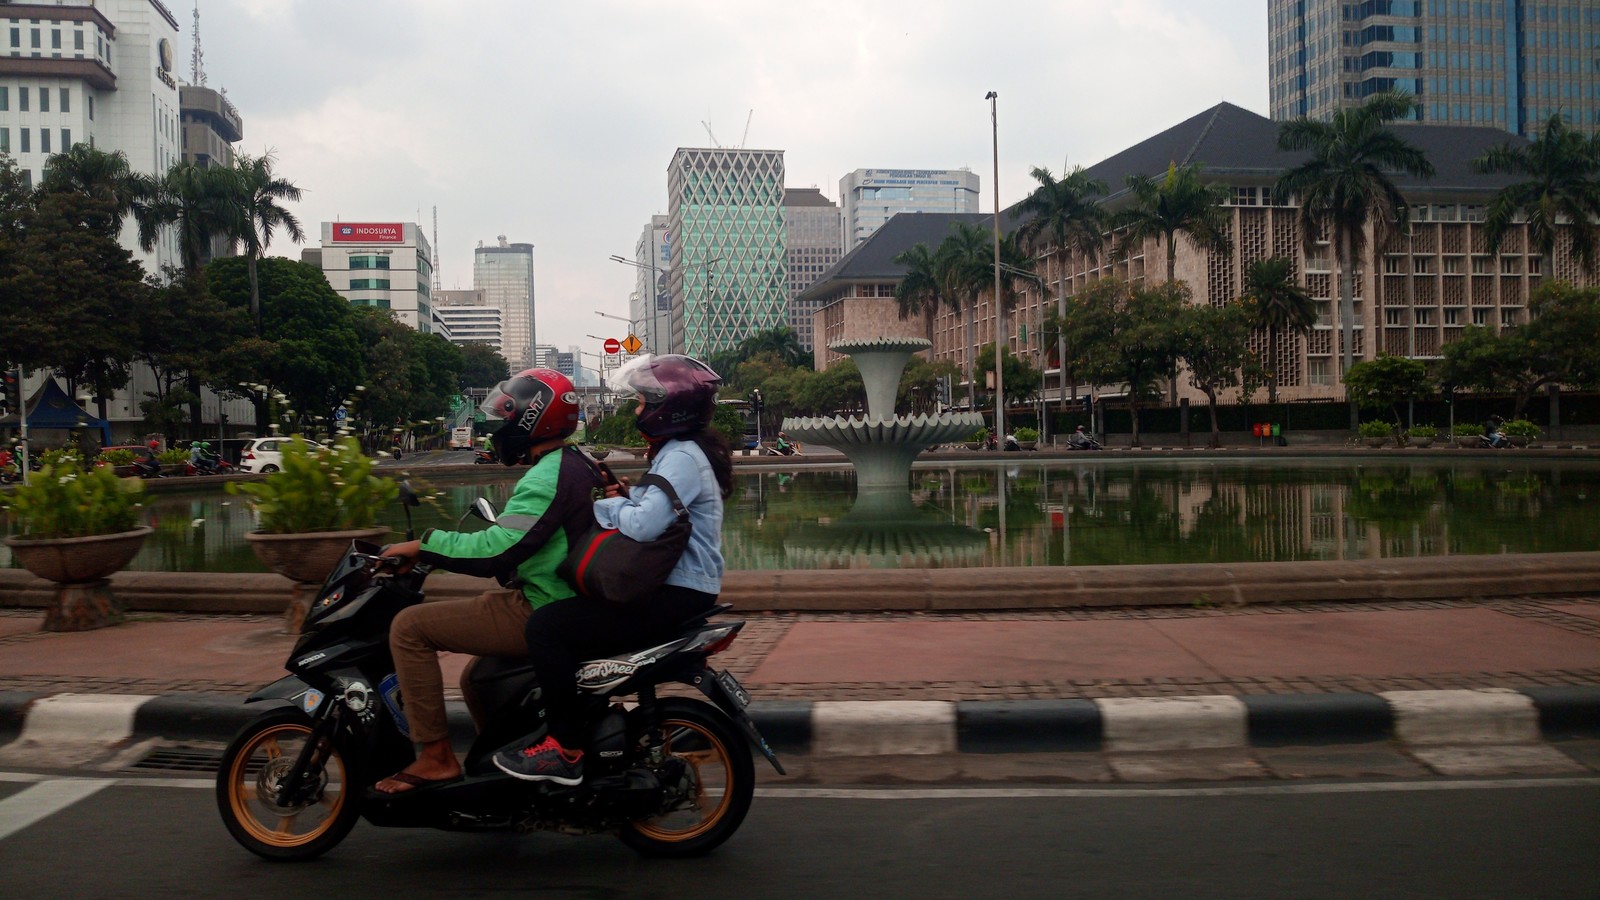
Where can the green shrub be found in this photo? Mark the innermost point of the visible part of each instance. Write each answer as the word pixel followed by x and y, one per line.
pixel 1422 431
pixel 1027 434
pixel 1375 429
pixel 61 501
pixel 1465 429
pixel 980 436
pixel 1520 428
pixel 332 489
pixel 117 457
pixel 61 458
pixel 173 457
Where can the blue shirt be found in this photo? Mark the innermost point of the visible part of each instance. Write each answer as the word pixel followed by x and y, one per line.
pixel 647 511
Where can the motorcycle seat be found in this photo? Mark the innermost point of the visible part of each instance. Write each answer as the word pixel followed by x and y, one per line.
pixel 496 668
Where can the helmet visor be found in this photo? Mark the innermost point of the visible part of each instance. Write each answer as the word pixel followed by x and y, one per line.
pixel 638 376
pixel 499 405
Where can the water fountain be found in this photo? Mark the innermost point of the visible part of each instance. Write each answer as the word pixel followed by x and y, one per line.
pixel 882 445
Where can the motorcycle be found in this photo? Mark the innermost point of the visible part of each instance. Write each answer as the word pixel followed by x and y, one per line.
pixel 147 468
pixel 668 776
pixel 482 458
pixel 215 467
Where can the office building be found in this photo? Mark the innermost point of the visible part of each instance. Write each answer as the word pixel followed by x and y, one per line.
pixel 650 304
pixel 504 273
pixel 470 319
pixel 725 225
pixel 870 197
pixel 1506 64
pixel 1415 292
pixel 811 227
pixel 211 126
pixel 98 72
pixel 382 264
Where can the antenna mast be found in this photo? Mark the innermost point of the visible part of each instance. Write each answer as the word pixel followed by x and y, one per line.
pixel 438 284
pixel 197 57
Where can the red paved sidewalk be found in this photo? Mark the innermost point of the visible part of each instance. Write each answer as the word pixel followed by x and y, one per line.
pixel 1158 651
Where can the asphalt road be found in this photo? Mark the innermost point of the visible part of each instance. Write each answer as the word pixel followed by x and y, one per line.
pixel 1428 838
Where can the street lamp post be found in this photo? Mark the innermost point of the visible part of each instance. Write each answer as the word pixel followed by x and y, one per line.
pixel 999 307
pixel 655 306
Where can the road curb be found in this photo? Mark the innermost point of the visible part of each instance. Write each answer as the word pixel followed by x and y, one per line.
pixel 920 727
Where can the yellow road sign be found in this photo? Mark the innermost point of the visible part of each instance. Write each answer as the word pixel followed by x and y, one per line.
pixel 632 344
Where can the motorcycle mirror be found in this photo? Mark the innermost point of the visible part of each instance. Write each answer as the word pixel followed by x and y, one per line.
pixel 408 496
pixel 484 510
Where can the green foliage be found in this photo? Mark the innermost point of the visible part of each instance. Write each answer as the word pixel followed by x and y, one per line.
pixel 1377 428
pixel 331 489
pixel 620 429
pixel 1467 429
pixel 61 501
pixel 725 420
pixel 1422 431
pixel 117 457
pixel 482 366
pixel 1387 381
pixel 1027 434
pixel 979 436
pixel 173 457
pixel 1520 428
pixel 1021 378
pixel 1123 335
pixel 1560 193
pixel 1160 208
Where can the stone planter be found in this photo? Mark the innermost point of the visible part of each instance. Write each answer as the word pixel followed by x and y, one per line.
pixel 306 558
pixel 1469 442
pixel 599 454
pixel 79 567
pixel 973 445
pixel 1377 441
pixel 1518 440
pixel 1421 441
pixel 1028 445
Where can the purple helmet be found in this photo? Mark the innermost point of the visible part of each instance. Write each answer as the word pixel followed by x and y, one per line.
pixel 679 392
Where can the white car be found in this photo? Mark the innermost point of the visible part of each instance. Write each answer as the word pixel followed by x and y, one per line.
pixel 265 455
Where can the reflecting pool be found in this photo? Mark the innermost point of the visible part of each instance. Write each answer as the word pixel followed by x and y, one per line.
pixel 1058 513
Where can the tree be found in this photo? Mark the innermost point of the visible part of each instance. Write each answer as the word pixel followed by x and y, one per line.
pixel 1561 345
pixel 71 293
pixel 200 201
pixel 1126 336
pixel 1387 381
pixel 1180 202
pixel 310 349
pixel 257 215
pixel 183 332
pixel 1562 190
pixel 1065 216
pixel 964 264
pixel 1213 341
pixel 1345 186
pixel 100 176
pixel 1021 379
pixel 482 366
pixel 1278 303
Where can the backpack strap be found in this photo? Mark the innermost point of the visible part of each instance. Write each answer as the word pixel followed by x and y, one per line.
pixel 654 480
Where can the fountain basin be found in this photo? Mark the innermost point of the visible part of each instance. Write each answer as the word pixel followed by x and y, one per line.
pixel 881 450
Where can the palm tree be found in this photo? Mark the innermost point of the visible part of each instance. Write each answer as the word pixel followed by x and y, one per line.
pixel 1179 202
pixel 196 199
pixel 257 215
pixel 1562 167
pixel 1280 304
pixel 1066 216
pixel 100 175
pixel 1346 185
pixel 964 264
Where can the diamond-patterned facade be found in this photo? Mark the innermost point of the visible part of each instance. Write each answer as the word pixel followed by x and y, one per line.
pixel 728 271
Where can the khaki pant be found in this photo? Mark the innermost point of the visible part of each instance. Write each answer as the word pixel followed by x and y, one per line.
pixel 490 624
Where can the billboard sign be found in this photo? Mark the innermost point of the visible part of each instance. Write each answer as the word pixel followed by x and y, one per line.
pixel 369 232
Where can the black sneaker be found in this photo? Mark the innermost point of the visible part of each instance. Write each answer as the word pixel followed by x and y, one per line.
pixel 543 761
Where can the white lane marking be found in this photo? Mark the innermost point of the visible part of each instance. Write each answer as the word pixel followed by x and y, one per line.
pixel 44 799
pixel 1002 793
pixel 1135 791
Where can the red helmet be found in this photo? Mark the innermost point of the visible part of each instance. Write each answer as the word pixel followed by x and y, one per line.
pixel 679 392
pixel 154 444
pixel 533 406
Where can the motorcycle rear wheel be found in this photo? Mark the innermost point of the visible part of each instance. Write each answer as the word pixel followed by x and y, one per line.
pixel 722 776
pixel 252 770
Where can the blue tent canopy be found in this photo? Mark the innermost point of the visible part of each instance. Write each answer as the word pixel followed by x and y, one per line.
pixel 52 408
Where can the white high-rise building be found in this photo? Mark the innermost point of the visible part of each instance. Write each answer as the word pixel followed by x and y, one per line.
pixel 870 197
pixel 504 273
pixel 382 264
pixel 811 222
pixel 470 318
pixel 650 304
pixel 98 72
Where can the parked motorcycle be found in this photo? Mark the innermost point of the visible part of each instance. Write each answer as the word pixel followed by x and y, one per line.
pixel 669 776
pixel 482 458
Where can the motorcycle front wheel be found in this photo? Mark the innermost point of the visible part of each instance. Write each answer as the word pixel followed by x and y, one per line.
pixel 719 781
pixel 253 770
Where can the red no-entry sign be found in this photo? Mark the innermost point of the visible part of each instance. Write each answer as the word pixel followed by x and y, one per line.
pixel 613 345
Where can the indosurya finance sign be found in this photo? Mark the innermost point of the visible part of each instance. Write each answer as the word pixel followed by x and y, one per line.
pixel 369 232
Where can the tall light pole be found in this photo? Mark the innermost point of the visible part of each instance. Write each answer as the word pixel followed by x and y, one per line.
pixel 999 307
pixel 656 272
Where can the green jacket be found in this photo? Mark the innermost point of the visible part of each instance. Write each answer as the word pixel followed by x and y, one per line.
pixel 552 503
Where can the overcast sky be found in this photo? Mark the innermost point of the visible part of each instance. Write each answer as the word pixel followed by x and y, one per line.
pixel 553 122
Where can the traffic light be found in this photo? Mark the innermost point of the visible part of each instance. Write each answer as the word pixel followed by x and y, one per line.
pixel 1088 403
pixel 12 396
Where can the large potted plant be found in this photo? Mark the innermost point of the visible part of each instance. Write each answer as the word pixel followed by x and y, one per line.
pixel 1376 433
pixel 310 510
pixel 1027 438
pixel 75 528
pixel 1520 432
pixel 1421 435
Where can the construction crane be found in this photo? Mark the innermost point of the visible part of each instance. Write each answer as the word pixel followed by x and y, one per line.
pixel 707 126
pixel 746 135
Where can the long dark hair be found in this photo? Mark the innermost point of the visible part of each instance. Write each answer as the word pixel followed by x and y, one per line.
pixel 714 446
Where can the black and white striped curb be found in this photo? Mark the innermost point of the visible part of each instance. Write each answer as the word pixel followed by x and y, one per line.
pixel 923 727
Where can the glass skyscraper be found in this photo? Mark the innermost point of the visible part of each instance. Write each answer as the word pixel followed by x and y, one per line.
pixel 728 277
pixel 1507 64
pixel 504 274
